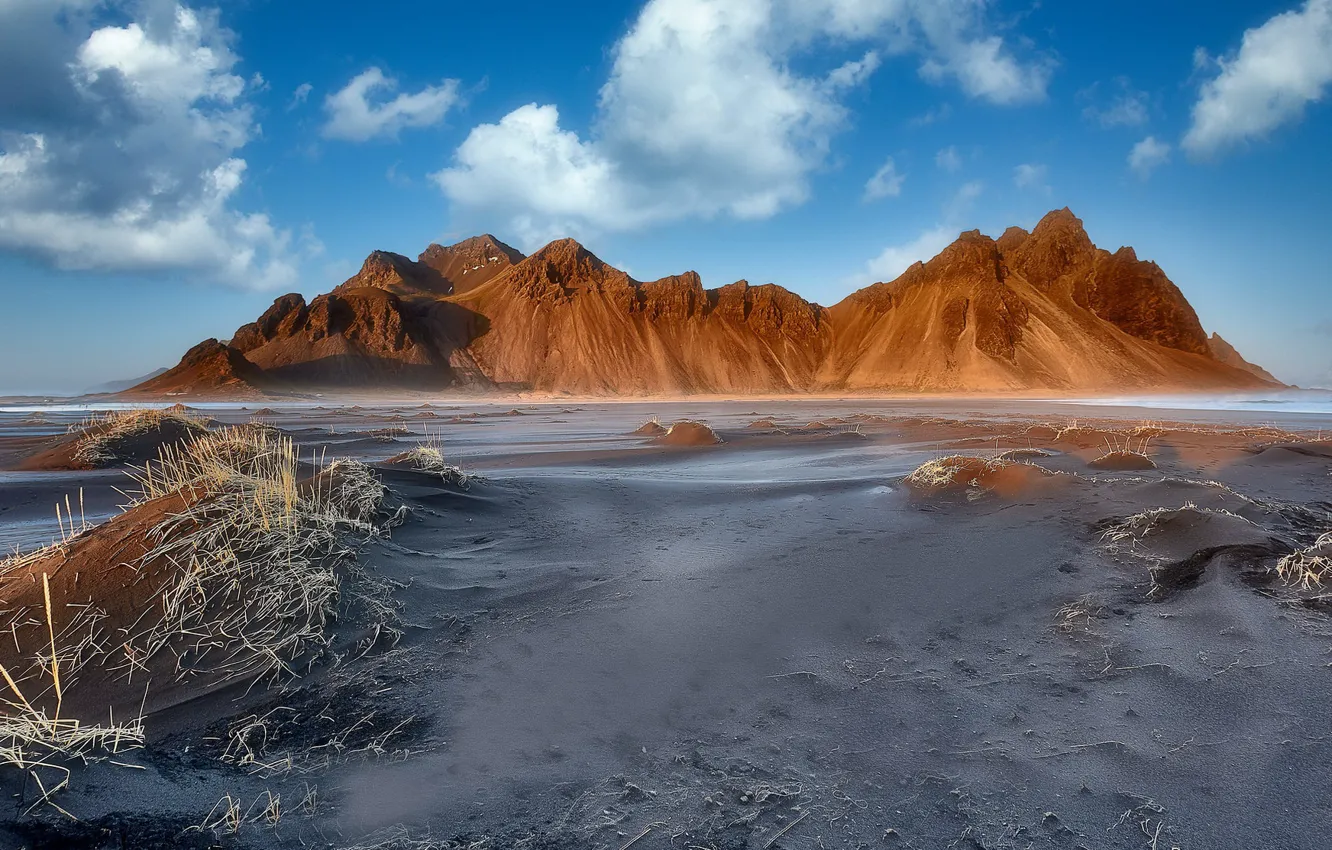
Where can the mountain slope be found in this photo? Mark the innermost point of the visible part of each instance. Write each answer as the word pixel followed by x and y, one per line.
pixel 1045 310
pixel 1226 353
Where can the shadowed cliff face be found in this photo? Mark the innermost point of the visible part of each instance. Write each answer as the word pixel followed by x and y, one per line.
pixel 1029 311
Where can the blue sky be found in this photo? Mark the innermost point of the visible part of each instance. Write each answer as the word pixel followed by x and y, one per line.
pixel 167 169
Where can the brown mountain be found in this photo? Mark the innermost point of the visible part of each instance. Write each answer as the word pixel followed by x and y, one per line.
pixel 1226 353
pixel 1038 311
pixel 211 368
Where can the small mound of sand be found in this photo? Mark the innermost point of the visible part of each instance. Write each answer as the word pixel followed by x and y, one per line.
pixel 975 476
pixel 1175 533
pixel 689 433
pixel 763 425
pixel 430 459
pixel 1122 461
pixel 118 438
pixel 651 428
pixel 816 426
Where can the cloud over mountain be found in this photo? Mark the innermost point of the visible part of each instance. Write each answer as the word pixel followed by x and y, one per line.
pixel 704 113
pixel 119 143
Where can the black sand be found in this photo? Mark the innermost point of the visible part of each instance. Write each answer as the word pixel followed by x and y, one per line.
pixel 769 642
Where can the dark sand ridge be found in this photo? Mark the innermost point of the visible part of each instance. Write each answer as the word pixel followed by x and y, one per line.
pixel 771 634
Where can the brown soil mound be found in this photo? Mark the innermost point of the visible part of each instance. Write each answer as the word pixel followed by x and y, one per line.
pixel 763 425
pixel 652 428
pixel 76 451
pixel 688 433
pixel 101 570
pixel 977 476
pixel 1123 461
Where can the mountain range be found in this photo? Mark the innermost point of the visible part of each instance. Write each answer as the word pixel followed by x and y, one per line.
pixel 1039 311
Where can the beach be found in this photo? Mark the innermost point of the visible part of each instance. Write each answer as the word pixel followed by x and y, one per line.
pixel 774 636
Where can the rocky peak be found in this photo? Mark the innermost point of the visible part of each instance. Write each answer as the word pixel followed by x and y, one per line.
pixel 1140 300
pixel 565 267
pixel 398 274
pixel 1057 247
pixel 282 319
pixel 471 262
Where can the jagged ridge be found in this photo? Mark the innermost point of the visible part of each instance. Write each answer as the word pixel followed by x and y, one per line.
pixel 1045 310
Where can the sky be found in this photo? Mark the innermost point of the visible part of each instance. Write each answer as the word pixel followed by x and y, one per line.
pixel 168 168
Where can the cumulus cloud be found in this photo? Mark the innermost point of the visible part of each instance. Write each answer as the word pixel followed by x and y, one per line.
pixel 948 159
pixel 895 259
pixel 886 182
pixel 118 144
pixel 361 110
pixel 299 96
pixel 1030 175
pixel 1147 155
pixel 705 113
pixel 1128 107
pixel 1280 68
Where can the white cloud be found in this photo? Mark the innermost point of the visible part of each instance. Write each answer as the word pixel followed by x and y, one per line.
pixel 299 96
pixel 128 162
pixel 985 70
pixel 896 259
pixel 855 72
pixel 359 111
pixel 555 181
pixel 1147 155
pixel 1281 67
pixel 886 182
pixel 1127 108
pixel 1032 176
pixel 705 113
pixel 948 159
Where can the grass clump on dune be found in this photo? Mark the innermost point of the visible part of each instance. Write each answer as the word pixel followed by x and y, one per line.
pixel 40 742
pixel 687 432
pixel 429 458
pixel 256 549
pixel 1124 454
pixel 120 436
pixel 975 476
pixel 1310 567
pixel 955 472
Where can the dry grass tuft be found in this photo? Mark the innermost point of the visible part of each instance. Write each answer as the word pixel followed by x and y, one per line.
pixel 40 743
pixel 257 551
pixel 1127 452
pixel 108 436
pixel 1142 525
pixel 955 472
pixel 1310 567
pixel 429 457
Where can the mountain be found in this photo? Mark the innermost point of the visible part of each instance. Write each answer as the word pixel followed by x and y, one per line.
pixel 1226 353
pixel 211 368
pixel 122 385
pixel 1039 311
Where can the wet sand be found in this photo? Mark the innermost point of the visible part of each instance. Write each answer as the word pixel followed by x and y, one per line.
pixel 770 642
